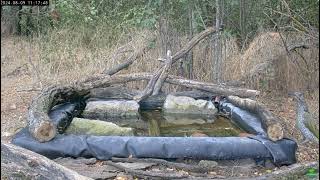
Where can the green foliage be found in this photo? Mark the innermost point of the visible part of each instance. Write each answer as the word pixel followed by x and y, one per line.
pixel 118 16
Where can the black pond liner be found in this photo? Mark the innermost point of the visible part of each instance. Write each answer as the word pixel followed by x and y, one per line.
pixel 257 147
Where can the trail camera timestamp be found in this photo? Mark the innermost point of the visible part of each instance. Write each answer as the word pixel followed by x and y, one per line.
pixel 24 3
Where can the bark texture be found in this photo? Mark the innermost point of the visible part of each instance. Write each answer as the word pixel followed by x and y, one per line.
pixel 273 126
pixel 20 163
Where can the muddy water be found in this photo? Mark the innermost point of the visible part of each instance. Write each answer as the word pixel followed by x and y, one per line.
pixel 154 123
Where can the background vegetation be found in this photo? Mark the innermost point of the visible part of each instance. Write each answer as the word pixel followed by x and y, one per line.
pixel 75 38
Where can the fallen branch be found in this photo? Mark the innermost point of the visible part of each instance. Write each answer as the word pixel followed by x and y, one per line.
pixel 213 88
pixel 297 46
pixel 143 174
pixel 149 89
pixel 273 126
pixel 194 41
pixel 20 163
pixel 127 63
pixel 163 75
pixel 180 54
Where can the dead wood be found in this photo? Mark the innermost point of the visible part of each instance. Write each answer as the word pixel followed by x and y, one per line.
pixel 20 163
pixel 297 46
pixel 163 75
pixel 149 89
pixel 180 54
pixel 42 129
pixel 212 88
pixel 194 41
pixel 272 124
pixel 143 174
pixel 128 62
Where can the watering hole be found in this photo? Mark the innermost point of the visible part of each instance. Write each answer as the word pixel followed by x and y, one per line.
pixel 155 123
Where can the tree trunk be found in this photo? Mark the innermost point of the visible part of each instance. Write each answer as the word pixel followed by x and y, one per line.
pixel 190 35
pixel 273 126
pixel 242 22
pixel 20 163
pixel 217 54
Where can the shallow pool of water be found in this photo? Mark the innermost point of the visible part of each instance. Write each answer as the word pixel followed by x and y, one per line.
pixel 155 123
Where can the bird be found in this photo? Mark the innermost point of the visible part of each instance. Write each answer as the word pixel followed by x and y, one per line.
pixel 303 117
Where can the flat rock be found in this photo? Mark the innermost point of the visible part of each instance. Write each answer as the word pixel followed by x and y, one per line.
pixel 208 164
pixel 137 165
pixel 80 126
pixel 94 171
pixel 188 105
pixel 111 108
pixel 238 162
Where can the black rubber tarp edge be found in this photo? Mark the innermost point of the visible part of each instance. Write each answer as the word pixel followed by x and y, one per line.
pixel 214 148
pixel 245 119
pixel 281 152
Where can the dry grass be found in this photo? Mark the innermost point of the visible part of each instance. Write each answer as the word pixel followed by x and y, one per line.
pixel 65 55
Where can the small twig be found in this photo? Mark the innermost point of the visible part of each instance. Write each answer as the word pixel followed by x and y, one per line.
pixel 297 46
pixel 143 174
pixel 161 59
pixel 37 73
pixel 29 89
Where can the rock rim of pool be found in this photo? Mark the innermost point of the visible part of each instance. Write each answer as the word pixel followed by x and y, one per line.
pixel 81 126
pixel 111 108
pixel 188 105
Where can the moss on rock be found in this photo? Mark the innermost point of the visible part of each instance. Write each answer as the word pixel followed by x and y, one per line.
pixel 80 126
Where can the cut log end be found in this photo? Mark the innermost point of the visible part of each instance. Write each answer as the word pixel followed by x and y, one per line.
pixel 45 132
pixel 275 132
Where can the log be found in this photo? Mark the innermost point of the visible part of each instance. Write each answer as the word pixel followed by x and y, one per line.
pixel 20 163
pixel 149 89
pixel 42 128
pixel 212 88
pixel 113 92
pixel 163 75
pixel 39 123
pixel 272 124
